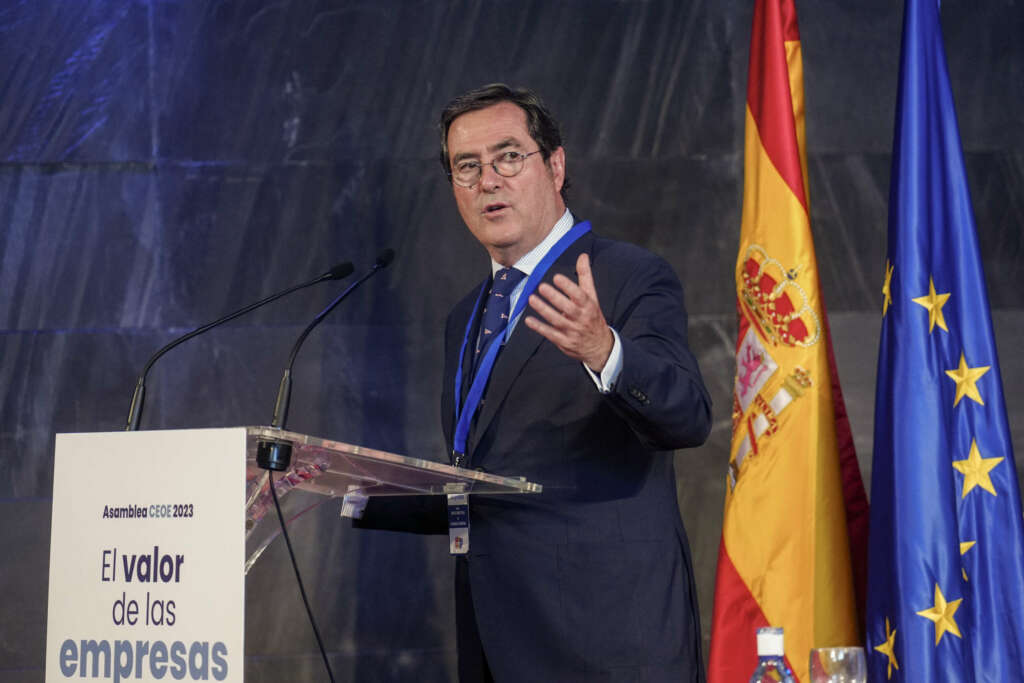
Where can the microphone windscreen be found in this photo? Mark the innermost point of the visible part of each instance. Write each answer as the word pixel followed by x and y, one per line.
pixel 339 271
pixel 385 257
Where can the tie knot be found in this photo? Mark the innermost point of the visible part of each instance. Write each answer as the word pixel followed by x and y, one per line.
pixel 505 280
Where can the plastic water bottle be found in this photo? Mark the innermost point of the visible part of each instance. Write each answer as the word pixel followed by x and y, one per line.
pixel 771 664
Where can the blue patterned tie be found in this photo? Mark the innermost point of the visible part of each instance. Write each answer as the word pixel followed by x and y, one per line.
pixel 496 310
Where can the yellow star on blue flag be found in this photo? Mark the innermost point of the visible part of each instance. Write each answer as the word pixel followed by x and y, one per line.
pixel 946 561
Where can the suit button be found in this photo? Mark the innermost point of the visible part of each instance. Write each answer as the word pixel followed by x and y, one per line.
pixel 639 396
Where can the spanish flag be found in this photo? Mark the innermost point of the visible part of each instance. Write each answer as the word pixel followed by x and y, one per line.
pixel 794 533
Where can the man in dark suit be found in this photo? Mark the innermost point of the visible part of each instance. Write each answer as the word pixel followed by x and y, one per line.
pixel 586 392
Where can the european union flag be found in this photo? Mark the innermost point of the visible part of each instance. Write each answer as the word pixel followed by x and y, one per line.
pixel 946 563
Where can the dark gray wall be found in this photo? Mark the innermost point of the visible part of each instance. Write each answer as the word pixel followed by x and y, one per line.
pixel 166 162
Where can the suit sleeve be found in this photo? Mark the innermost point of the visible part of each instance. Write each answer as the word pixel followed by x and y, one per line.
pixel 411 514
pixel 660 392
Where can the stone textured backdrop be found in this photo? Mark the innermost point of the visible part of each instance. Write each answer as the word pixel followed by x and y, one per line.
pixel 166 162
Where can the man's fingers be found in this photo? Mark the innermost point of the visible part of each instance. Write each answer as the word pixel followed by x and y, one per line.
pixel 547 331
pixel 585 275
pixel 569 289
pixel 551 314
pixel 579 293
pixel 556 298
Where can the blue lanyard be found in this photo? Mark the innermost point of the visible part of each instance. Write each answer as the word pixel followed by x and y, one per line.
pixel 464 412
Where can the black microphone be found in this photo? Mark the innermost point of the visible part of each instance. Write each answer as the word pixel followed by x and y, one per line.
pixel 277 455
pixel 337 272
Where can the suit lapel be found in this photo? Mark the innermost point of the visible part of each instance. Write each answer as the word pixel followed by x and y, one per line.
pixel 469 360
pixel 521 346
pixel 455 332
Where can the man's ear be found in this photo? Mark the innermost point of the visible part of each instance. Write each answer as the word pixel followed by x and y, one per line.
pixel 556 165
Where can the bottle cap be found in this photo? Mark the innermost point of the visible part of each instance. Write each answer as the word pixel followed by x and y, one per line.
pixel 769 642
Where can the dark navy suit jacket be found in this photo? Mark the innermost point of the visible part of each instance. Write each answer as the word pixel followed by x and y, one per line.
pixel 590 580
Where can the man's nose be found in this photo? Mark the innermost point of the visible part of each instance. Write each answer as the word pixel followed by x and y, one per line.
pixel 490 179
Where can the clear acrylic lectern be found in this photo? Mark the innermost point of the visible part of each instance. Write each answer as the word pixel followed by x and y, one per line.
pixel 335 470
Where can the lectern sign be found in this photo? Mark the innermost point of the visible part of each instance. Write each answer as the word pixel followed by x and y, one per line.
pixel 146 556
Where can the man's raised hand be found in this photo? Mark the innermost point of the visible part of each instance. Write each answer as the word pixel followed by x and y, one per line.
pixel 572 317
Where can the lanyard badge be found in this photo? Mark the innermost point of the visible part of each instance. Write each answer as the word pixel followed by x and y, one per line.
pixel 458 523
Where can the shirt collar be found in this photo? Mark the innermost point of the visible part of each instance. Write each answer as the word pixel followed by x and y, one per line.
pixel 530 260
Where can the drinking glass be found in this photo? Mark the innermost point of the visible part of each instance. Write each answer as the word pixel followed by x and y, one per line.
pixel 838 665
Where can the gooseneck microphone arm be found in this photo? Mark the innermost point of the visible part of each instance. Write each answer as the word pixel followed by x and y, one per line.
pixel 275 455
pixel 339 271
pixel 284 392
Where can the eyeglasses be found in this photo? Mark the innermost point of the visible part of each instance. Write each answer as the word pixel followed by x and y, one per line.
pixel 467 173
